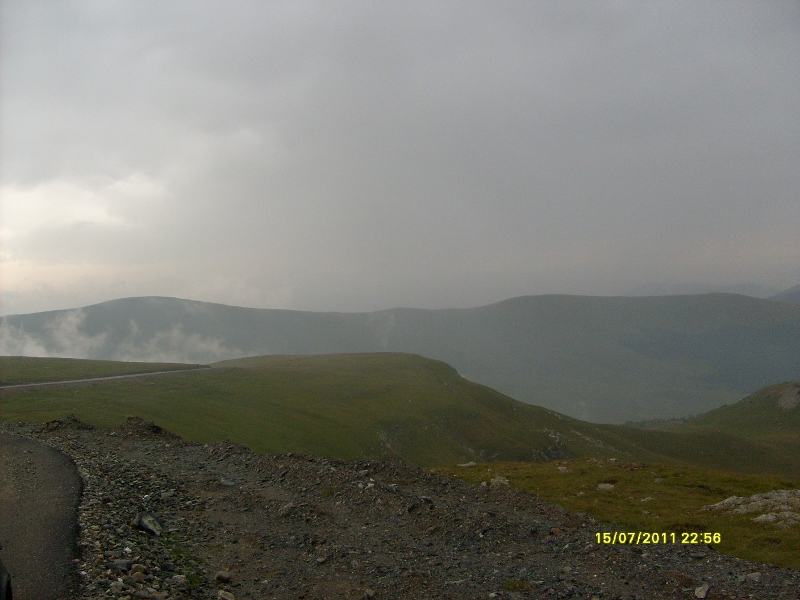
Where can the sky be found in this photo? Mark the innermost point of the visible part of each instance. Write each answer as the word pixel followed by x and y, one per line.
pixel 354 156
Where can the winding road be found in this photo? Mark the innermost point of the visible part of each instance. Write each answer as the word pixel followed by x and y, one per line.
pixel 17 386
pixel 40 491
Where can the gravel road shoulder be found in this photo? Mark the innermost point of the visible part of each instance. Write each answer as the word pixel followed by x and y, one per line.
pixel 165 519
pixel 40 492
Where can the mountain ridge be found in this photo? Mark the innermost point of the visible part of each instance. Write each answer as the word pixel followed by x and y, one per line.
pixel 603 359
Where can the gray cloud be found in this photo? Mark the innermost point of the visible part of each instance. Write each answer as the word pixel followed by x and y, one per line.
pixel 357 156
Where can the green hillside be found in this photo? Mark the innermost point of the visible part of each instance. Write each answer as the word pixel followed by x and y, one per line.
pixel 16 370
pixel 770 416
pixel 600 359
pixel 382 406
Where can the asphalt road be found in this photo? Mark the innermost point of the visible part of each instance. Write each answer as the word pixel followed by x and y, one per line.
pixel 92 379
pixel 40 491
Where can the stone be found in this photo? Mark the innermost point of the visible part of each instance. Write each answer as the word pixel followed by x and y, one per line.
pixel 767 518
pixel 223 576
pixel 702 591
pixel 120 565
pixel 224 595
pixel 605 487
pixel 148 522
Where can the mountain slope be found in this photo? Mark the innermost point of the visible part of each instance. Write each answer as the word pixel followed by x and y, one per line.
pixel 771 415
pixel 375 406
pixel 596 358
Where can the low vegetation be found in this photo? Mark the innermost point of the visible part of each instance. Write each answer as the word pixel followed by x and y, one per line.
pixel 655 497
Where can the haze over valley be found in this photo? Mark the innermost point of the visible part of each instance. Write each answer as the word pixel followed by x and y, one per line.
pixel 601 359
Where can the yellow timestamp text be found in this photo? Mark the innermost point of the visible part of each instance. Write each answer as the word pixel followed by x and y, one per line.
pixel 655 537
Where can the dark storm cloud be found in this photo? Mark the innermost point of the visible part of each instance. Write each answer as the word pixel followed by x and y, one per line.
pixel 353 156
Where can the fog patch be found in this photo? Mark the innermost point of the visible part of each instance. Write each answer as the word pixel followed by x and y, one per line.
pixel 65 337
pixel 15 342
pixel 176 346
pixel 62 337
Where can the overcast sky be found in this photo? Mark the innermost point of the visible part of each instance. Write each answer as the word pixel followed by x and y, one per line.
pixel 359 156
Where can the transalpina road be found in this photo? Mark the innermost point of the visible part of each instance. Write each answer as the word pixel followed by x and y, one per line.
pixel 19 386
pixel 40 491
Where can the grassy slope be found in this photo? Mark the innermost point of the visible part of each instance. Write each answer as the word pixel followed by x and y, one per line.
pixel 380 405
pixel 352 406
pixel 770 416
pixel 21 369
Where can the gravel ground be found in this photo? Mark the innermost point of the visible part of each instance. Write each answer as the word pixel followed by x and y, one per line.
pixel 163 519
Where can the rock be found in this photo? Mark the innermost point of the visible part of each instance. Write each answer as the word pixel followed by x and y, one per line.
pixel 368 594
pixel 223 576
pixel 286 510
pixel 223 595
pixel 767 518
pixel 468 464
pixel 120 565
pixel 753 577
pixel 702 591
pixel 499 480
pixel 605 487
pixel 148 522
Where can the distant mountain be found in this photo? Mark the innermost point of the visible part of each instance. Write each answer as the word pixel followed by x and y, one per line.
pixel 792 295
pixel 600 359
pixel 681 289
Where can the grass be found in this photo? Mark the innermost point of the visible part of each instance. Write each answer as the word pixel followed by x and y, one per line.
pixel 655 497
pixel 420 411
pixel 381 405
pixel 21 369
pixel 352 406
